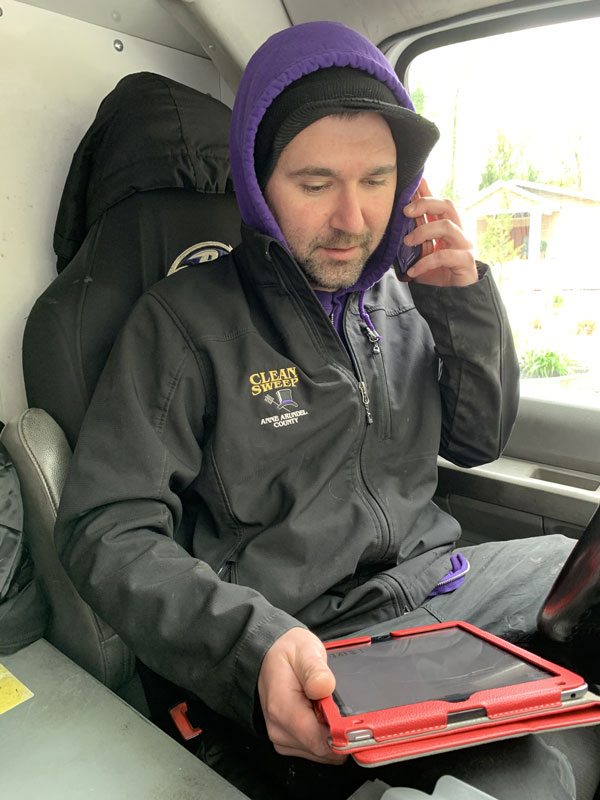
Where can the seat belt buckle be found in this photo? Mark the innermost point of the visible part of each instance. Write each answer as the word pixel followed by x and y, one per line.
pixel 179 715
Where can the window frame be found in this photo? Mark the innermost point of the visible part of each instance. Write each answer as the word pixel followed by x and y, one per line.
pixel 401 49
pixel 564 436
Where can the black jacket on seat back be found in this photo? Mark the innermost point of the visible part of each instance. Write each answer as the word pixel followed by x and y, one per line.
pixel 149 180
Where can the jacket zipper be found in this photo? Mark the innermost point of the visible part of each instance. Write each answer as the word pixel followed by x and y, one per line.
pixel 228 569
pixel 384 524
pixel 365 399
pixel 384 404
pixel 362 386
pixel 374 339
pixel 370 499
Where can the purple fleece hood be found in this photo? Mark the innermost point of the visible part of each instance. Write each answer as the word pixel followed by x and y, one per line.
pixel 282 59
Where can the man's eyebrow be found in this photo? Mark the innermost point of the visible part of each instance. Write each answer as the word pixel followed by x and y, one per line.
pixel 316 172
pixel 326 172
pixel 384 169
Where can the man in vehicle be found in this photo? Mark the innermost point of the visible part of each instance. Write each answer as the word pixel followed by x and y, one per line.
pixel 255 471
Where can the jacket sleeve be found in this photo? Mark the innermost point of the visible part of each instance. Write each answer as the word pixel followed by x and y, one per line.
pixel 138 450
pixel 479 379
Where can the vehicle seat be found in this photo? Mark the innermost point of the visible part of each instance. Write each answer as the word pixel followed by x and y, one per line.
pixel 148 190
pixel 149 181
pixel 41 455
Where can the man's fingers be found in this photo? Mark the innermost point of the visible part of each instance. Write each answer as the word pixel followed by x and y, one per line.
pixel 452 259
pixel 307 737
pixel 318 681
pixel 294 672
pixel 434 207
pixel 310 665
pixel 444 231
pixel 328 758
pixel 446 267
pixel 447 257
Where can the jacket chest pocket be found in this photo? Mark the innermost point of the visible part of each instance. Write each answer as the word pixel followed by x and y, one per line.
pixel 383 410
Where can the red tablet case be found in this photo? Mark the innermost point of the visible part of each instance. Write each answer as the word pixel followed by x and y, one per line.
pixel 419 729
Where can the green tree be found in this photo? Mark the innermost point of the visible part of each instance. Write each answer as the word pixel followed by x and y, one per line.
pixel 495 243
pixel 506 162
pixel 418 97
pixel 571 176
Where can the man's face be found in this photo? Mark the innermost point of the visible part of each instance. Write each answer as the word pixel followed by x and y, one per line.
pixel 332 193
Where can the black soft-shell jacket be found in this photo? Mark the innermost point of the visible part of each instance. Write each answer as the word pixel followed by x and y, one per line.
pixel 239 472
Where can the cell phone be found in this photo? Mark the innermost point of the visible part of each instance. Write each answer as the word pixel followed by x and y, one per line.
pixel 421 250
pixel 423 190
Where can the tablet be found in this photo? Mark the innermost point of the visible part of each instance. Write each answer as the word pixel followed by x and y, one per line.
pixel 437 687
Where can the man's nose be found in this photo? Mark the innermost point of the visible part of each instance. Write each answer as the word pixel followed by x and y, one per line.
pixel 347 213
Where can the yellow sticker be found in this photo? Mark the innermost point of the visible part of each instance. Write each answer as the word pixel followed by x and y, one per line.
pixel 12 691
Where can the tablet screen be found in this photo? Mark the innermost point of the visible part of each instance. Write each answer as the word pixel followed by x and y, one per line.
pixel 449 664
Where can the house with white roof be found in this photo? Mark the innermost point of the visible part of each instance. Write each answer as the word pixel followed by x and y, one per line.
pixel 556 228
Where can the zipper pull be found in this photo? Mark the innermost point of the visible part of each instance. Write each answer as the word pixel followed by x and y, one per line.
pixel 374 338
pixel 365 398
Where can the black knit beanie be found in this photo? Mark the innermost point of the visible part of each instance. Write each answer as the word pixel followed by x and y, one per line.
pixel 332 90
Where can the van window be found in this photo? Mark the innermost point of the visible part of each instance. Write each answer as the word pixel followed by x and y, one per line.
pixel 519 155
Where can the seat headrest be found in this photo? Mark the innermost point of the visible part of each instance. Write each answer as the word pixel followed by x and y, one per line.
pixel 149 188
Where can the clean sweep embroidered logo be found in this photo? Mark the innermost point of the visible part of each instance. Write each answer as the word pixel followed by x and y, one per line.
pixel 276 388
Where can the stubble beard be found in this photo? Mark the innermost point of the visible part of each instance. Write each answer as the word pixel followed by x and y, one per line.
pixel 332 274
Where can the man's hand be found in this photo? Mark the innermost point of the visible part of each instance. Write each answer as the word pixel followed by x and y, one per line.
pixel 447 255
pixel 294 672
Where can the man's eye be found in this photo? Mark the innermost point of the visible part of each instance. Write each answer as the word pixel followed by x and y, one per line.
pixel 311 188
pixel 374 182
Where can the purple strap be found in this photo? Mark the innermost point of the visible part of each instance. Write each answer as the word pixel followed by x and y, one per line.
pixel 365 316
pixel 333 304
pixel 455 578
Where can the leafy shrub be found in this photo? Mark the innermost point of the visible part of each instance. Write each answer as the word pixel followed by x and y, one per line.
pixel 586 327
pixel 558 300
pixel 544 364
